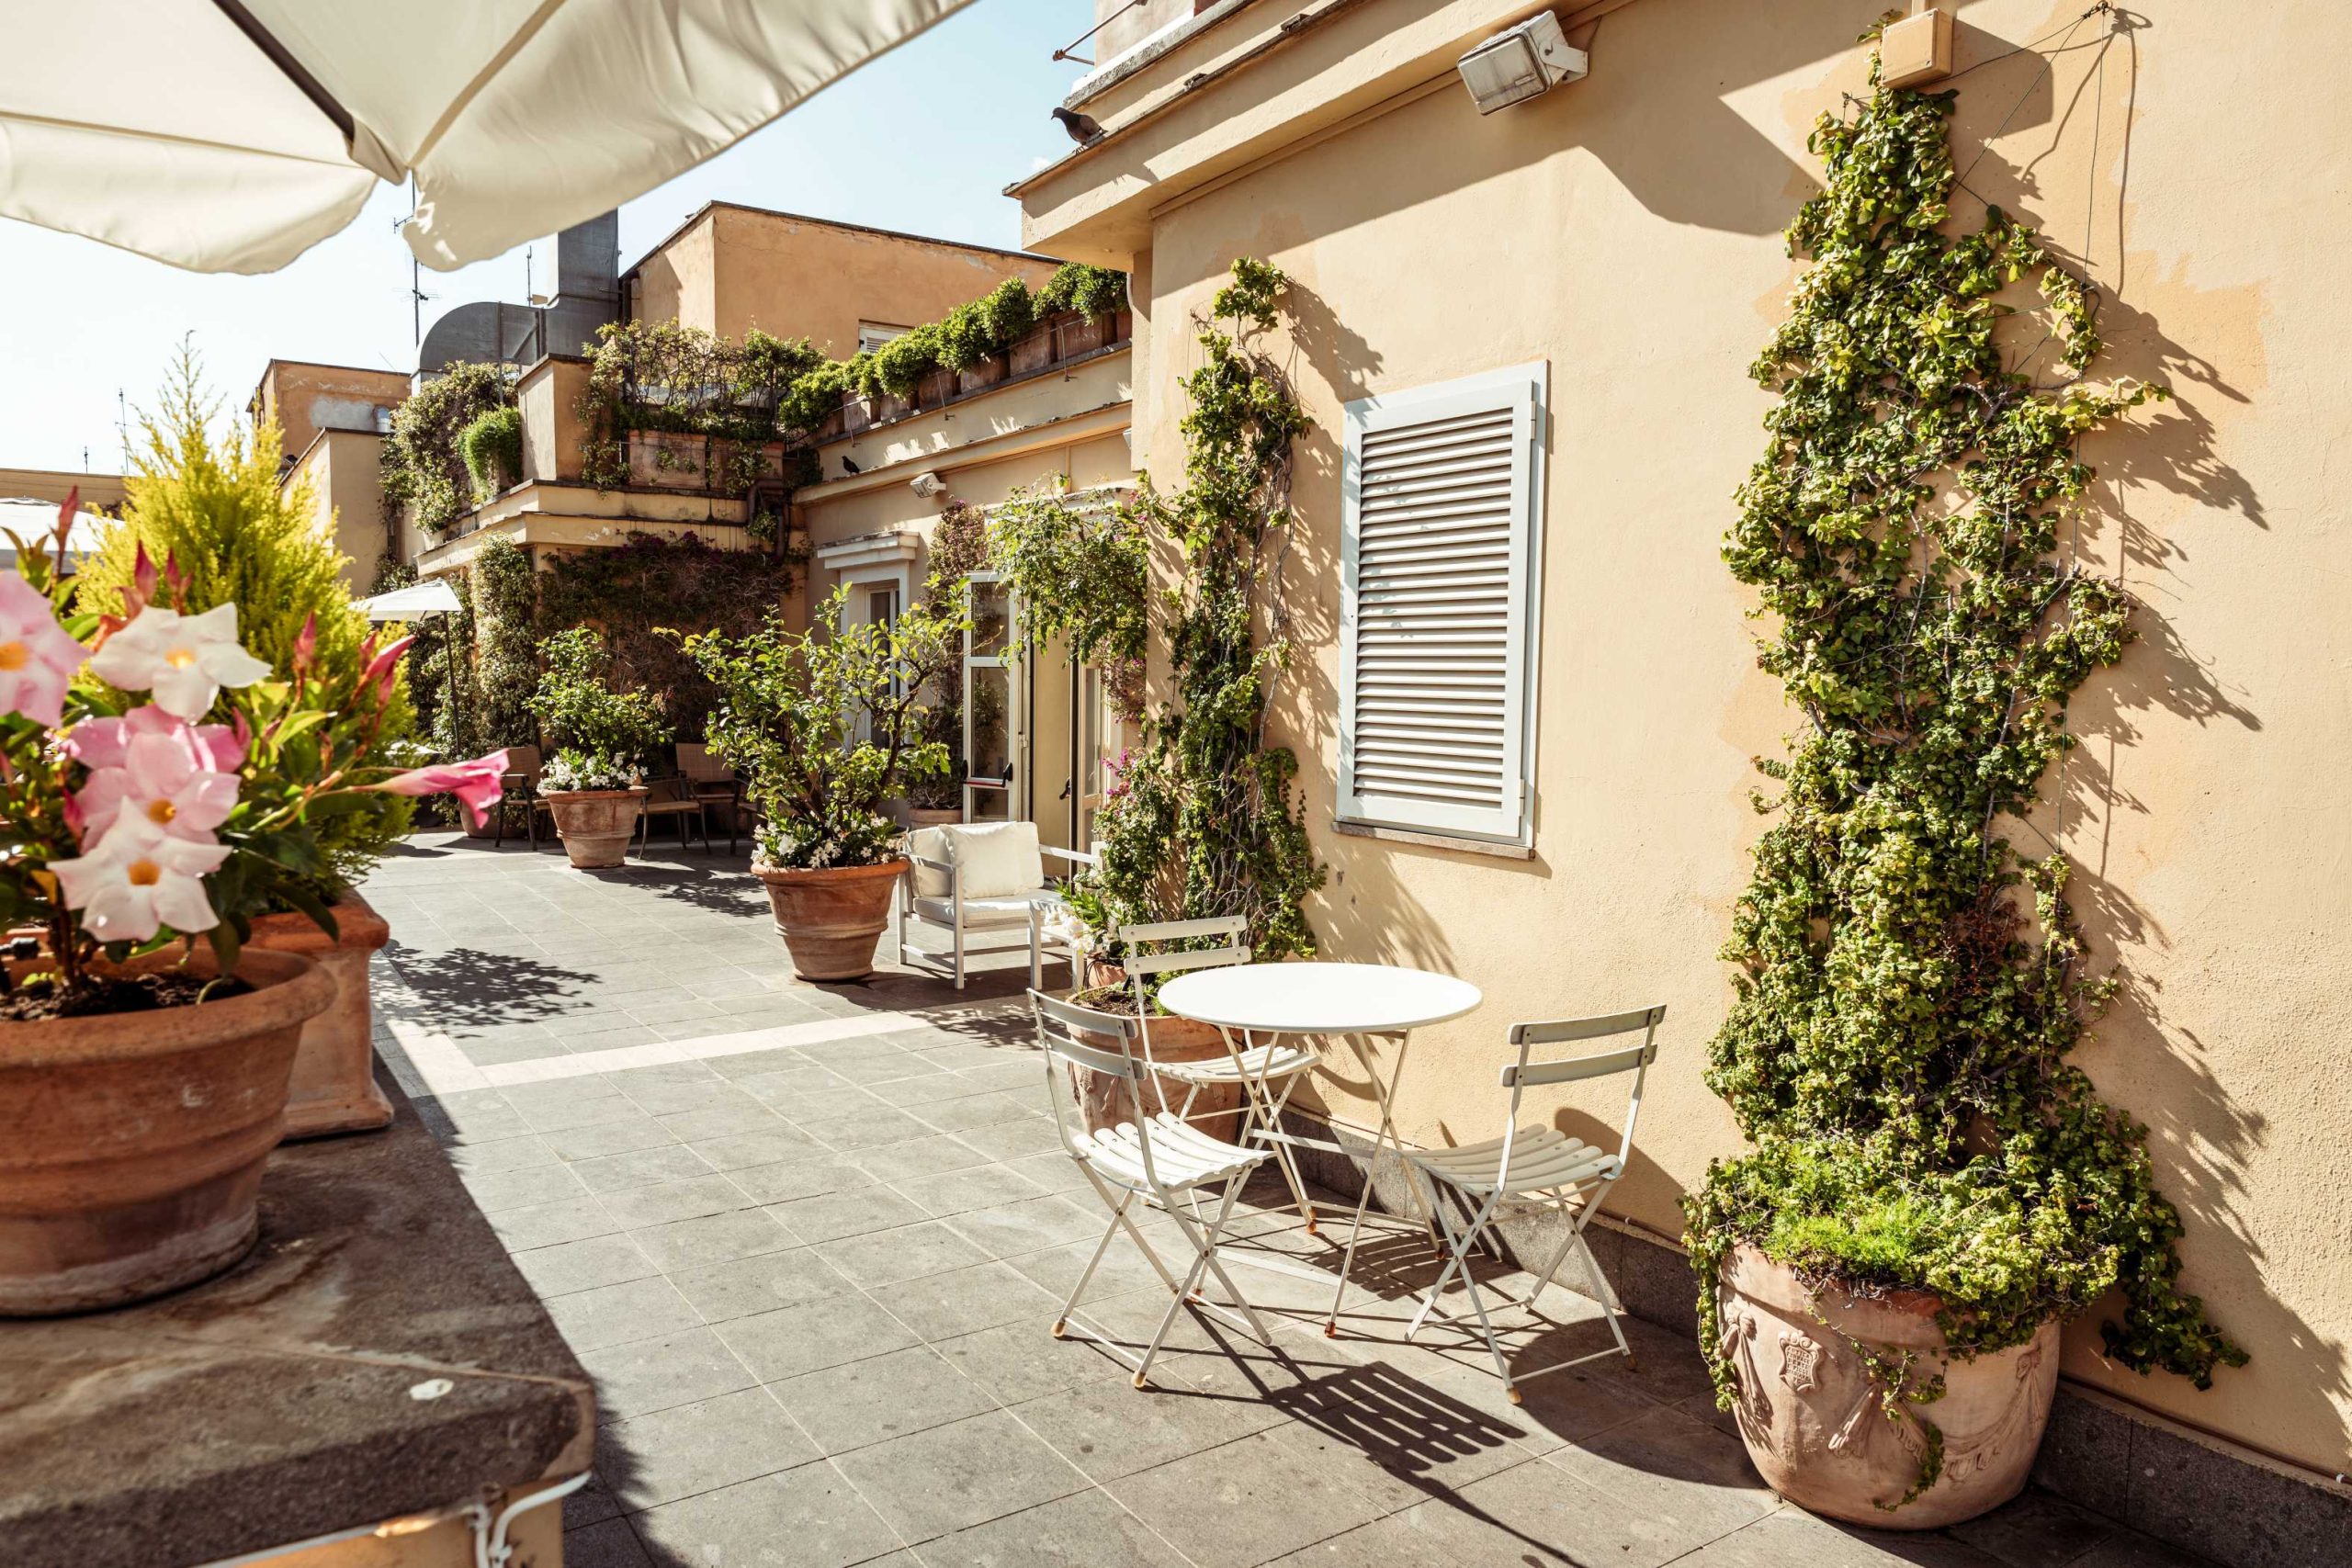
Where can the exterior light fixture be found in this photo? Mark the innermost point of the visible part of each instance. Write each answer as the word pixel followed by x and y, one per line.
pixel 1520 62
pixel 928 484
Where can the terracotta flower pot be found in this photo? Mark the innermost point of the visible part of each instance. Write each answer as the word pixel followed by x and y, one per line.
pixel 136 1139
pixel 1811 1416
pixel 1104 1101
pixel 334 1087
pixel 595 825
pixel 831 919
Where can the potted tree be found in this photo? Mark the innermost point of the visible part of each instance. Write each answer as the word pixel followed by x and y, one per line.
pixel 603 739
pixel 212 505
pixel 1934 1190
pixel 824 725
pixel 160 783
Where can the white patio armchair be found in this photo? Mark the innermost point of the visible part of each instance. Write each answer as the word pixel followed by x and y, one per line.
pixel 972 884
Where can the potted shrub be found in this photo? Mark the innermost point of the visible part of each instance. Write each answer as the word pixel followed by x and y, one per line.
pixel 603 738
pixel 825 724
pixel 161 783
pixel 215 508
pixel 1934 1190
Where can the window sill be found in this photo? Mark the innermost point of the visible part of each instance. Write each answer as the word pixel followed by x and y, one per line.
pixel 1436 840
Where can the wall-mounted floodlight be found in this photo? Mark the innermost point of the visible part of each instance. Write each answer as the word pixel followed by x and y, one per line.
pixel 928 484
pixel 1519 62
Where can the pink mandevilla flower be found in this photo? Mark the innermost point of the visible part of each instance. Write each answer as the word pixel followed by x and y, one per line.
pixel 167 780
pixel 182 660
pixel 138 880
pixel 37 656
pixel 105 742
pixel 476 784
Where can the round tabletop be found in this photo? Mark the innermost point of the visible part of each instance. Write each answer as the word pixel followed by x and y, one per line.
pixel 1319 999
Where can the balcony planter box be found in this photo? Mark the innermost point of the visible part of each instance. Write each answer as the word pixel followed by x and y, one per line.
pixel 987 373
pixel 830 920
pixel 665 459
pixel 855 415
pixel 884 408
pixel 1810 1415
pixel 333 1087
pixel 1033 353
pixel 1075 335
pixel 136 1139
pixel 936 388
pixel 833 427
pixel 595 825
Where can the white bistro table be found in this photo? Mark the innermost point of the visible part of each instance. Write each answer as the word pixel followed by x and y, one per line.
pixel 1351 1001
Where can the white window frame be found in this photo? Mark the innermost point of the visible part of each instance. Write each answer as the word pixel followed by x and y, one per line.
pixel 1523 390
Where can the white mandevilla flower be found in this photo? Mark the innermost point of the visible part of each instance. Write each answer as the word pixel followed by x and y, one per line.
pixel 182 660
pixel 138 880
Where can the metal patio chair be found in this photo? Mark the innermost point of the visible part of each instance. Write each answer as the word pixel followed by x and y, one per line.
pixel 715 783
pixel 1266 1074
pixel 1541 1163
pixel 519 785
pixel 1157 1158
pixel 937 895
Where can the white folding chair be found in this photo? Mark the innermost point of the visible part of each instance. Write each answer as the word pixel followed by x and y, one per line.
pixel 1266 1074
pixel 1156 1157
pixel 1541 1163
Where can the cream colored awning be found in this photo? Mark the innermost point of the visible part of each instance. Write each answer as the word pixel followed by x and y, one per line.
pixel 232 135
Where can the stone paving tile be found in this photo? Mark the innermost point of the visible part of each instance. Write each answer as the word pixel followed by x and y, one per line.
pixel 760 1254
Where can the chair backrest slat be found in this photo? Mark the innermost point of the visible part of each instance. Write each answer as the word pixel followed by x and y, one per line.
pixel 1558 1031
pixel 1577 1069
pixel 1170 963
pixel 1184 931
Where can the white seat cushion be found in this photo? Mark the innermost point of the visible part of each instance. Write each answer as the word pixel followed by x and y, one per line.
pixel 977 912
pixel 996 859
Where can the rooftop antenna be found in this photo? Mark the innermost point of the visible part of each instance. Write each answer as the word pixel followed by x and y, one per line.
pixel 122 426
pixel 417 294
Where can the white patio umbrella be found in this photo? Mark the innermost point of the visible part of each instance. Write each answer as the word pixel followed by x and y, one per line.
pixel 232 135
pixel 434 596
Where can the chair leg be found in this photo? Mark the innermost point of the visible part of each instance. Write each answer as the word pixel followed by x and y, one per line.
pixel 959 950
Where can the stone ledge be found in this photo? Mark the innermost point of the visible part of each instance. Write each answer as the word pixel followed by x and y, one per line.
pixel 274 1404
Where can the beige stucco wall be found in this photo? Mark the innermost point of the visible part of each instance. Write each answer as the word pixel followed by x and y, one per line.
pixel 733 268
pixel 1625 229
pixel 305 398
pixel 342 469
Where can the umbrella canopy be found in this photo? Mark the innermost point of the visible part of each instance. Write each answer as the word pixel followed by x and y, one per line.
pixel 430 597
pixel 232 135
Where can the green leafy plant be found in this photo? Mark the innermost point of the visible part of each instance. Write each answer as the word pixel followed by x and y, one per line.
pixel 900 364
pixel 661 377
pixel 585 718
pixel 826 724
pixel 1909 981
pixel 491 446
pixel 1081 569
pixel 1095 291
pixel 651 582
pixel 422 465
pixel 1203 818
pixel 211 507
pixel 505 648
pixel 959 546
pixel 1010 310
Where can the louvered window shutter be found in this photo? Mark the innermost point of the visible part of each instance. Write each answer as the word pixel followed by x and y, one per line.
pixel 1443 497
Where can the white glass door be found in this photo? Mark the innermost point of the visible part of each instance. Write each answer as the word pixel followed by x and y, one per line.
pixel 994 787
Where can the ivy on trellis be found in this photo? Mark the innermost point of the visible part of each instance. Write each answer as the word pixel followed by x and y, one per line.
pixel 1910 981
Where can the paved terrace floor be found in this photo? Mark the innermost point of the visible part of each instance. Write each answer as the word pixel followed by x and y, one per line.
pixel 808 1241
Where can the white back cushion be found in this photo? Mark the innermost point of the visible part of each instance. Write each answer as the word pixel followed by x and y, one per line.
pixel 932 844
pixel 995 861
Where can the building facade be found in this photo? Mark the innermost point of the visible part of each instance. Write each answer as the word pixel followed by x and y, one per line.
pixel 1585 277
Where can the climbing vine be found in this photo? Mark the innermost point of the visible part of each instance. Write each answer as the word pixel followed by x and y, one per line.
pixel 660 377
pixel 1081 569
pixel 424 464
pixel 1910 980
pixel 1204 818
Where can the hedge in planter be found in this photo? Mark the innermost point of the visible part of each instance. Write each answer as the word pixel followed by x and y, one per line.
pixel 1910 982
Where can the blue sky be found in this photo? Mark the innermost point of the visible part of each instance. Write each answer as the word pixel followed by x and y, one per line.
pixel 923 139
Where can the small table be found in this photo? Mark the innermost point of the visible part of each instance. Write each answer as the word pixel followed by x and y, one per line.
pixel 1348 999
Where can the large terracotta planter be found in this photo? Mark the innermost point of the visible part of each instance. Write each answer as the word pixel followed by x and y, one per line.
pixel 831 919
pixel 595 825
pixel 334 1087
pixel 1811 1416
pixel 135 1141
pixel 932 816
pixel 1104 1101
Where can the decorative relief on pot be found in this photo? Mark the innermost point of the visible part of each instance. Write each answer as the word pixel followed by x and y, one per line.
pixel 1816 1421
